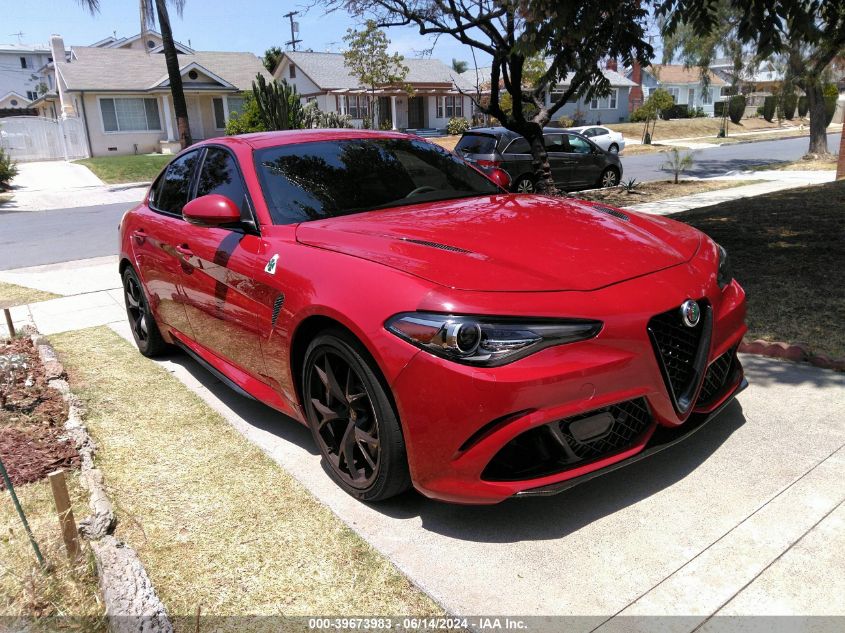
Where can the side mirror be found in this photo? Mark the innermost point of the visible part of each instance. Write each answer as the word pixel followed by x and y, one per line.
pixel 500 177
pixel 211 210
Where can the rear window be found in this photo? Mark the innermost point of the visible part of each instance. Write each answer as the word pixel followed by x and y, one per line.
pixel 476 144
pixel 312 181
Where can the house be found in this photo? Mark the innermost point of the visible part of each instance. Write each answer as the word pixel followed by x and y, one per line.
pixel 122 93
pixel 610 108
pixel 19 73
pixel 435 98
pixel 684 84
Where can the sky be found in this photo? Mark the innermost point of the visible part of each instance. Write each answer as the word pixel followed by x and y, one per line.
pixel 210 25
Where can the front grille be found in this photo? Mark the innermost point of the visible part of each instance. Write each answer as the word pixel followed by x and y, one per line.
pixel 681 352
pixel 717 377
pixel 553 448
pixel 630 420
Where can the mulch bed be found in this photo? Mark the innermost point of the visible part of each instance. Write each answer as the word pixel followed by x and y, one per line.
pixel 32 438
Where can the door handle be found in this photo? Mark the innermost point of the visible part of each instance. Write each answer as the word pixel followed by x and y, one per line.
pixel 139 235
pixel 185 251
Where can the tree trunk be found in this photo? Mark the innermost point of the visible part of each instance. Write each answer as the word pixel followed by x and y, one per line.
pixel 840 165
pixel 540 161
pixel 180 108
pixel 818 118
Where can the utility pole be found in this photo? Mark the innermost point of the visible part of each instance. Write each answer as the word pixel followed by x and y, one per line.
pixel 294 30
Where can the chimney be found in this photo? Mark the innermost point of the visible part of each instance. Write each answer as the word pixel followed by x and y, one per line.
pixel 637 73
pixel 635 94
pixel 57 46
pixel 611 64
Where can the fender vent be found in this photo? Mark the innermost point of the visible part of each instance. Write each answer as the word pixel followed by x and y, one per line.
pixel 277 307
pixel 442 247
pixel 611 211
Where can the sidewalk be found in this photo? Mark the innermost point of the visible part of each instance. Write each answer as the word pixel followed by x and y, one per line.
pixel 40 186
pixel 775 181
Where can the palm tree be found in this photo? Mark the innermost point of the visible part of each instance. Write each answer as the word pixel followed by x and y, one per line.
pixel 676 162
pixel 150 9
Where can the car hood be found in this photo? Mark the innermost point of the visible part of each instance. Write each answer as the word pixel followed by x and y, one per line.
pixel 509 242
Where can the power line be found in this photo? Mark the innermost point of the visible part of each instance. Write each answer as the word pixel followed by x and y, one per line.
pixel 294 30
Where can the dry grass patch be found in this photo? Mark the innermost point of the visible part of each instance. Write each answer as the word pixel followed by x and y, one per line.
pixel 811 164
pixel 14 295
pixel 787 250
pixel 448 142
pixel 658 190
pixel 66 597
pixel 700 127
pixel 215 521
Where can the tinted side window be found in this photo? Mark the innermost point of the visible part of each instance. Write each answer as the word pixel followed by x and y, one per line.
pixel 172 193
pixel 518 146
pixel 220 175
pixel 555 143
pixel 476 144
pixel 579 145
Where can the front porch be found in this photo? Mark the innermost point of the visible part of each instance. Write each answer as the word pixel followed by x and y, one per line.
pixel 425 111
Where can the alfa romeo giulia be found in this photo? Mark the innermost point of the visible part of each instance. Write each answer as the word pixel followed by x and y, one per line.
pixel 432 329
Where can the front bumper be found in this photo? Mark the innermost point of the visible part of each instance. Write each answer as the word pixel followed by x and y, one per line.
pixel 457 419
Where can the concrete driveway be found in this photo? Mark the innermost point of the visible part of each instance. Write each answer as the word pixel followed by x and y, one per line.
pixel 744 518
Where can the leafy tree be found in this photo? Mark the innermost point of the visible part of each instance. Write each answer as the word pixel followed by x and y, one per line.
pixel 459 66
pixel 271 59
pixel 150 11
pixel 368 60
pixel 806 34
pixel 658 101
pixel 676 163
pixel 575 37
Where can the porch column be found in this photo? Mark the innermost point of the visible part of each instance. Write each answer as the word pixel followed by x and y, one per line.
pixel 225 108
pixel 393 112
pixel 168 123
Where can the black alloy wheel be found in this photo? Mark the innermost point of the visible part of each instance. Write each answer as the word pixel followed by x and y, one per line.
pixel 352 419
pixel 144 329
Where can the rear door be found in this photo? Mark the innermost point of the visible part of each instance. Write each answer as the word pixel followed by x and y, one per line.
pixel 155 238
pixel 224 300
pixel 560 160
pixel 516 158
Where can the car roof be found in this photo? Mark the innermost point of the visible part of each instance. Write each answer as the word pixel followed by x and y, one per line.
pixel 505 132
pixel 259 140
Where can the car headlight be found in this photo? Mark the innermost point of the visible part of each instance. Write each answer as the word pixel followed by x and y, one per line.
pixel 725 274
pixel 487 341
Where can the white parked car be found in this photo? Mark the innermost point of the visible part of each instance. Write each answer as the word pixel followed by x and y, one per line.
pixel 608 140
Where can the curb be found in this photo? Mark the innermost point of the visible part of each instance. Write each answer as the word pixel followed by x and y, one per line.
pixel 796 352
pixel 128 593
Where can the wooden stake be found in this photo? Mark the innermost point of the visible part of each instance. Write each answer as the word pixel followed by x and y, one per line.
pixel 9 323
pixel 66 520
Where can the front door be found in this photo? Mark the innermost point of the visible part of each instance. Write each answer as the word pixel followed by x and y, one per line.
pixel 223 299
pixel 587 165
pixel 195 118
pixel 416 113
pixel 560 160
pixel 385 115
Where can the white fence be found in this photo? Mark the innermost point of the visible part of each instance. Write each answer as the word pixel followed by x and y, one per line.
pixel 29 138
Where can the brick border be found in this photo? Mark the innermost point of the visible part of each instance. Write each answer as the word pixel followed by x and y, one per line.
pixel 796 352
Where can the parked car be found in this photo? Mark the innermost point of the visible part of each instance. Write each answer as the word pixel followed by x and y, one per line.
pixel 429 327
pixel 576 162
pixel 605 138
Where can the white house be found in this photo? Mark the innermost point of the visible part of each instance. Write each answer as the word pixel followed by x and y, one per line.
pixel 324 78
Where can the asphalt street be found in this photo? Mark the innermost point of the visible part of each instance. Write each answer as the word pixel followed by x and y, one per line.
pixel 46 237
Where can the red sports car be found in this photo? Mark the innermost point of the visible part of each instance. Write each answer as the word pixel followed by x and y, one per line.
pixel 430 328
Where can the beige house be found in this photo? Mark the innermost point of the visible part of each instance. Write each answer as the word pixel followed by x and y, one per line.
pixel 121 91
pixel 436 93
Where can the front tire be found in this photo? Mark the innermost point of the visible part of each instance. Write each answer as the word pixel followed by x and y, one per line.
pixel 352 419
pixel 609 178
pixel 141 320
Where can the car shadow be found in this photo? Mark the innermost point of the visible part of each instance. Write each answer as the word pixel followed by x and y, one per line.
pixel 517 519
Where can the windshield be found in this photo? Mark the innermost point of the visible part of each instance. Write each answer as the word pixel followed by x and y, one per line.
pixel 476 144
pixel 311 181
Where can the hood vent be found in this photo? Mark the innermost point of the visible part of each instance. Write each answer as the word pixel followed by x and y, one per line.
pixel 616 213
pixel 442 247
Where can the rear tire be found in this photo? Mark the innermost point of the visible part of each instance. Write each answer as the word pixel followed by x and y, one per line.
pixel 609 177
pixel 352 418
pixel 141 320
pixel 613 149
pixel 525 184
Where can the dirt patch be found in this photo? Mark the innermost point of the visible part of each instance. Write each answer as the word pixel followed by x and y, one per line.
pixel 657 190
pixel 33 442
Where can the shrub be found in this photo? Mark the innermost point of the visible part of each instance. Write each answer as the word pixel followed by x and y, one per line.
pixel 790 102
pixel 769 106
pixel 279 105
pixel 8 170
pixel 736 108
pixel 247 120
pixel 640 114
pixel 677 111
pixel 313 117
pixel 719 109
pixel 831 96
pixel 457 125
pixel 565 121
pixel 803 106
pixel 698 113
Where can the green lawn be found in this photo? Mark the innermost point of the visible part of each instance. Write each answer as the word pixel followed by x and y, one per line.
pixel 121 169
